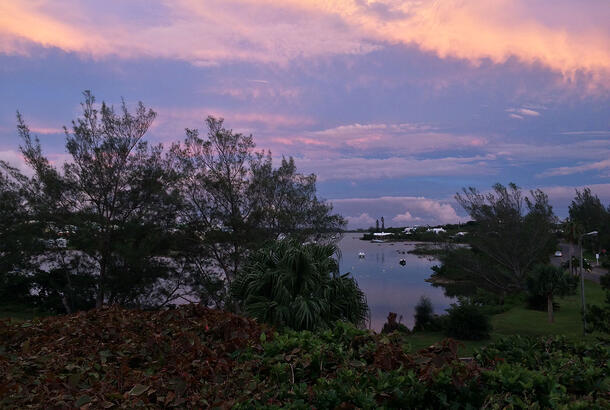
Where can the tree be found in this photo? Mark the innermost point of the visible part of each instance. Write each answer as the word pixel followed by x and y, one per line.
pixel 233 201
pixel 571 232
pixel 424 312
pixel 465 320
pixel 299 286
pixel 587 211
pixel 288 203
pixel 382 223
pixel 18 237
pixel 512 233
pixel 549 282
pixel 113 193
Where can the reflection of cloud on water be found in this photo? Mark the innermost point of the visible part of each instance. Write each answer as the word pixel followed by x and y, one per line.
pixel 390 287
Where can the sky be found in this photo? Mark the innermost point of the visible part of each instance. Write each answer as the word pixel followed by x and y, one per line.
pixel 394 105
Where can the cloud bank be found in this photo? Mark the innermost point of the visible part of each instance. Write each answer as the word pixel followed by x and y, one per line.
pixel 570 38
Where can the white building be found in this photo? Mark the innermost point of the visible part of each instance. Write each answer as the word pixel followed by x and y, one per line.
pixel 436 230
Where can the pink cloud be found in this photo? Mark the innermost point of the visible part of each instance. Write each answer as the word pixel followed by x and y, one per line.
pixel 171 122
pixel 594 166
pixel 46 130
pixel 567 193
pixel 402 210
pixel 570 38
pixel 406 218
pixel 357 168
pixel 362 220
pixel 403 139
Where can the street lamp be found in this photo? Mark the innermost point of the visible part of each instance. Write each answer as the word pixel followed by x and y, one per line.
pixel 582 281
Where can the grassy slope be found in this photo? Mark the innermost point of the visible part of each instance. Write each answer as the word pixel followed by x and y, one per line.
pixel 522 321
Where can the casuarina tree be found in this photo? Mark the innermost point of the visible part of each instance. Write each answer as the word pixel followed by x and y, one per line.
pixel 113 195
pixel 234 200
pixel 511 234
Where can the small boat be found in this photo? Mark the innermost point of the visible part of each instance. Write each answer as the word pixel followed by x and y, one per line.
pixel 403 262
pixel 377 240
pixel 361 254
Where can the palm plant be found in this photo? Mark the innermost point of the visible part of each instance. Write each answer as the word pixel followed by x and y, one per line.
pixel 289 284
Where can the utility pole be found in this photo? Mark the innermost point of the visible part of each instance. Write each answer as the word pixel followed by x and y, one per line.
pixel 582 282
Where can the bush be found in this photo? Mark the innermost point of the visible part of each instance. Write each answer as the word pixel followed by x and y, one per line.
pixel 423 314
pixel 203 358
pixel 467 321
pixel 393 326
pixel 288 284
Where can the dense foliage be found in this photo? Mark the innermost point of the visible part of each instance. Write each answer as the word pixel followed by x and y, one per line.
pixel 424 314
pixel 512 233
pixel 195 357
pixel 467 321
pixel 547 282
pixel 589 214
pixel 299 286
pixel 125 222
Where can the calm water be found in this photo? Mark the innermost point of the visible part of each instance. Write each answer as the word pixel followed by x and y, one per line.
pixel 390 287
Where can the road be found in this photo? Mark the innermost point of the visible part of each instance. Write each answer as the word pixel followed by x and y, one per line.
pixel 595 273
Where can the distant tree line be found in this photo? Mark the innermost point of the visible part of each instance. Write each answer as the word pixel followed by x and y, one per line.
pixel 511 240
pixel 126 222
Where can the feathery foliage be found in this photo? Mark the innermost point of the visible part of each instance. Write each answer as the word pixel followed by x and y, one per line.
pixel 289 284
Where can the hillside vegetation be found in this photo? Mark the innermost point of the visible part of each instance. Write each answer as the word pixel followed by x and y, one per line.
pixel 196 357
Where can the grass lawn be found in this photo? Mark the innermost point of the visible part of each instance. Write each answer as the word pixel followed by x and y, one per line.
pixel 522 321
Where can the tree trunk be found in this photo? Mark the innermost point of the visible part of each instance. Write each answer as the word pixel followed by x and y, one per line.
pixel 64 301
pixel 99 302
pixel 570 260
pixel 549 303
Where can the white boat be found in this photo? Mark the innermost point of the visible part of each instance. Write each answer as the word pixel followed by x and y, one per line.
pixel 361 254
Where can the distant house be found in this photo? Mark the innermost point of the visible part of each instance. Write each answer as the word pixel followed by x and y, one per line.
pixel 411 229
pixel 436 230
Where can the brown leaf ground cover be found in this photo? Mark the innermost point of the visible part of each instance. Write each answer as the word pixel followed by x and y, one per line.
pixel 127 358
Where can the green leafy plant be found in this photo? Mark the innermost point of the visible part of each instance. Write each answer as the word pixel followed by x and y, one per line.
pixel 548 282
pixel 424 313
pixel 193 357
pixel 288 284
pixel 467 321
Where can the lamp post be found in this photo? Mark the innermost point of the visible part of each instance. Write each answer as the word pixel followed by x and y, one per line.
pixel 582 281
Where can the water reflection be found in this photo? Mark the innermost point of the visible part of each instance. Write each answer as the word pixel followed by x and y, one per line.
pixel 390 287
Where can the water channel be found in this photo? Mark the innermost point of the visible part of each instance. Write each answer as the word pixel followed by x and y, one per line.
pixel 389 286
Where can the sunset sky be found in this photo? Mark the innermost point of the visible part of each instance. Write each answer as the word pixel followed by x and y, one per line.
pixel 395 105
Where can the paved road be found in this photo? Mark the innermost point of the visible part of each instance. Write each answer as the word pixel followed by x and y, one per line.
pixel 595 273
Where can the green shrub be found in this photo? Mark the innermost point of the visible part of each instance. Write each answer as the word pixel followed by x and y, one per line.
pixel 424 313
pixel 289 284
pixel 467 321
pixel 546 282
